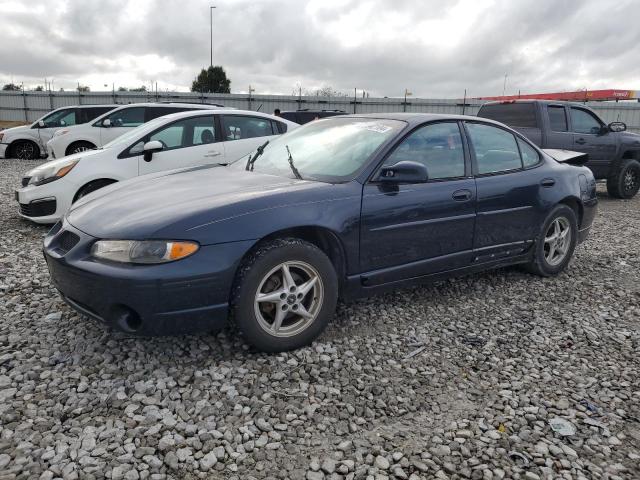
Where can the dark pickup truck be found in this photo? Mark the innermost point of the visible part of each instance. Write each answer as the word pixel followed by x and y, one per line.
pixel 614 154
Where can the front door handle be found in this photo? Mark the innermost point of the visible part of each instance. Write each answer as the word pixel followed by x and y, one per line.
pixel 213 153
pixel 548 182
pixel 581 141
pixel 462 195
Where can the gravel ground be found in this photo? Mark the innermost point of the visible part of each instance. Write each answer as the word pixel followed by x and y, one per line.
pixel 461 379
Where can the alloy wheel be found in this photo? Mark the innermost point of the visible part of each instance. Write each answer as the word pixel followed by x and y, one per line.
pixel 288 299
pixel 630 181
pixel 557 241
pixel 25 151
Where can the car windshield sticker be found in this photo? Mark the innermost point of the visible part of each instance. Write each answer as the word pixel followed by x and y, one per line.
pixel 374 127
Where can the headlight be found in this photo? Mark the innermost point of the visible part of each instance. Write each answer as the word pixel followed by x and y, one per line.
pixel 146 251
pixel 62 131
pixel 50 172
pixel 1 136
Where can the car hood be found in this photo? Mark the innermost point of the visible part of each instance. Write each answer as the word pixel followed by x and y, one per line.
pixel 14 130
pixel 64 160
pixel 179 203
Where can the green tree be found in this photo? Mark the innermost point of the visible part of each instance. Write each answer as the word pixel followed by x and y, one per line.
pixel 123 89
pixel 39 88
pixel 139 89
pixel 212 80
pixel 82 88
pixel 11 87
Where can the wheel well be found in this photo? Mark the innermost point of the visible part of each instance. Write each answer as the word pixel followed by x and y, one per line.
pixel 15 142
pixel 634 154
pixel 323 238
pixel 73 144
pixel 576 206
pixel 102 182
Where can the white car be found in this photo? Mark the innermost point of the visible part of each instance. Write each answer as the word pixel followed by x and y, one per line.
pixel 175 141
pixel 110 126
pixel 29 141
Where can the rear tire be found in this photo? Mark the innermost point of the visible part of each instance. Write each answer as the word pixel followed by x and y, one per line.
pixel 25 150
pixel 556 242
pixel 92 187
pixel 78 147
pixel 624 179
pixel 278 311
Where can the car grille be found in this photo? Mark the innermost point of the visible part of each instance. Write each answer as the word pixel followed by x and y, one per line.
pixel 25 181
pixel 66 241
pixel 38 209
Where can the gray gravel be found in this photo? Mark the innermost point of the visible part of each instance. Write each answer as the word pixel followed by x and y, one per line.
pixel 460 379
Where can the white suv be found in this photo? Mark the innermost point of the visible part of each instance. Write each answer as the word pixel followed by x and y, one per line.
pixel 179 140
pixel 29 141
pixel 109 126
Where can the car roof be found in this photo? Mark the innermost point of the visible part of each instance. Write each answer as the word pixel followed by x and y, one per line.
pixel 412 118
pixel 226 111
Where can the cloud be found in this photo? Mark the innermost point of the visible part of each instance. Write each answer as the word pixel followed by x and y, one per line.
pixel 435 49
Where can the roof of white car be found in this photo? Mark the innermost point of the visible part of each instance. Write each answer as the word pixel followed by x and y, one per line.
pixel 226 111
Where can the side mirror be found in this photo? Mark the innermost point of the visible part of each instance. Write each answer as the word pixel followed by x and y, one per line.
pixel 404 172
pixel 106 123
pixel 41 124
pixel 150 148
pixel 617 126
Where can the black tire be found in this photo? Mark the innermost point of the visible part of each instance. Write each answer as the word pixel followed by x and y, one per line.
pixel 263 266
pixel 540 265
pixel 92 187
pixel 25 150
pixel 78 147
pixel 624 179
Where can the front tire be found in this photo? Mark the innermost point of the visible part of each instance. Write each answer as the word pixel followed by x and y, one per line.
pixel 556 242
pixel 25 150
pixel 284 295
pixel 78 147
pixel 624 179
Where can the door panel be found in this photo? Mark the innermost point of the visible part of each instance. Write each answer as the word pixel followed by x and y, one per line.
pixel 415 229
pixel 587 138
pixel 417 223
pixel 558 134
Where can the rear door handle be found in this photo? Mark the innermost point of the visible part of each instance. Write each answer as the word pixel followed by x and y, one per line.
pixel 461 195
pixel 548 182
pixel 212 154
pixel 581 141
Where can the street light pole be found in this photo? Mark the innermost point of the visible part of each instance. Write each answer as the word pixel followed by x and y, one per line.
pixel 211 31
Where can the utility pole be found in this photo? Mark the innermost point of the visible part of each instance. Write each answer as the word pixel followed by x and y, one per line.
pixel 504 85
pixel 211 32
pixel 404 106
pixel 355 99
pixel 464 101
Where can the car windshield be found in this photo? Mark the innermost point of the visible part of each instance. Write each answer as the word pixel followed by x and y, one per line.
pixel 330 150
pixel 135 133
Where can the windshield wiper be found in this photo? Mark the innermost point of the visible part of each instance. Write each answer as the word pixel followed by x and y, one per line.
pixel 251 160
pixel 293 167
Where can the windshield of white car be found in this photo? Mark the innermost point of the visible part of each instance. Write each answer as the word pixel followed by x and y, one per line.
pixel 135 133
pixel 328 150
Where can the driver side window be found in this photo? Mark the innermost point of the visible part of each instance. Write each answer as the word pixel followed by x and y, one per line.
pixel 189 132
pixel 438 146
pixel 128 117
pixel 584 122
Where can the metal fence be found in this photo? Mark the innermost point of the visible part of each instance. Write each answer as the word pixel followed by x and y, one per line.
pixel 29 106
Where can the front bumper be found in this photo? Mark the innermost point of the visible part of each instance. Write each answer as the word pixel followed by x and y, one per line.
pixel 187 296
pixel 50 151
pixel 45 203
pixel 3 150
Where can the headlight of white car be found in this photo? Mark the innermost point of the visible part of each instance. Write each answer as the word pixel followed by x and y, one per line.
pixel 146 251
pixel 50 172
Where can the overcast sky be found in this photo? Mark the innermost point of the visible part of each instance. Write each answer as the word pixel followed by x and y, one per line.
pixel 435 49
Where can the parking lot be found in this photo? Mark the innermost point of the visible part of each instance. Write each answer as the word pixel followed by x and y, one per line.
pixel 460 379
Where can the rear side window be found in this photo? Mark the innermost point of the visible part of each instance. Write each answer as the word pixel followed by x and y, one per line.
pixel 127 117
pixel 530 156
pixel 557 118
pixel 239 127
pixel 88 114
pixel 495 149
pixel 512 114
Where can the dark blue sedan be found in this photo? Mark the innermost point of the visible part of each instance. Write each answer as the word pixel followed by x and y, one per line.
pixel 339 208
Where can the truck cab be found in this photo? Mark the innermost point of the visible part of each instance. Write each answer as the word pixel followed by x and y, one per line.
pixel 614 154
